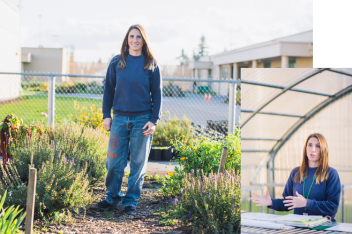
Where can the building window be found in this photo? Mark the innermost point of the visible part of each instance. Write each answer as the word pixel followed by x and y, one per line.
pixel 209 73
pixel 267 64
pixel 224 72
pixel 292 63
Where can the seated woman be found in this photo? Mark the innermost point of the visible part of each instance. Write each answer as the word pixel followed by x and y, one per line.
pixel 314 188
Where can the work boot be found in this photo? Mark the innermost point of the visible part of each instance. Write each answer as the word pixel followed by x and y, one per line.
pixel 104 205
pixel 130 210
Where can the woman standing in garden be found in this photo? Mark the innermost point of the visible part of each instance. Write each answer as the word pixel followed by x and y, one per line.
pixel 132 89
pixel 314 188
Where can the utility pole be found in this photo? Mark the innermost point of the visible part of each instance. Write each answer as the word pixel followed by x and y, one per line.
pixel 40 17
pixel 20 6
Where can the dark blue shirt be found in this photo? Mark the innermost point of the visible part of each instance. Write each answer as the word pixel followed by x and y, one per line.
pixel 132 91
pixel 324 198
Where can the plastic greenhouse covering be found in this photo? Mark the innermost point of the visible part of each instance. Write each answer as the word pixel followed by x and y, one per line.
pixel 280 108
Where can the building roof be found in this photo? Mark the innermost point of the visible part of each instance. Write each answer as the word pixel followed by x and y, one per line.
pixel 297 45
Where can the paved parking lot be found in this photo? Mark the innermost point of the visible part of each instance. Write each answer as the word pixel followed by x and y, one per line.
pixel 193 106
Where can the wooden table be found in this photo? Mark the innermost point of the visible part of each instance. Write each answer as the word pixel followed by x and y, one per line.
pixel 249 230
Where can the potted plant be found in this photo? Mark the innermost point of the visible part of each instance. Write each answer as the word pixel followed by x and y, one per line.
pixel 156 153
pixel 167 153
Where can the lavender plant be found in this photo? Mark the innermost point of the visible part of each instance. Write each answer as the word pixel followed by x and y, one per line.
pixel 61 183
pixel 77 143
pixel 209 204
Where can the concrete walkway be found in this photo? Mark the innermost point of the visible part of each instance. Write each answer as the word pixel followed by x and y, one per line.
pixel 160 168
pixel 153 168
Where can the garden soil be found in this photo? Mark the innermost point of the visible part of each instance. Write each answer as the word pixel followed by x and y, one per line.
pixel 147 219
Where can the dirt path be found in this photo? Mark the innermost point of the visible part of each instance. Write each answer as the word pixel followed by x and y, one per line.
pixel 149 210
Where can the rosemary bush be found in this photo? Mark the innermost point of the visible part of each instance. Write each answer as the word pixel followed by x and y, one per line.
pixel 210 204
pixel 170 129
pixel 77 143
pixel 61 183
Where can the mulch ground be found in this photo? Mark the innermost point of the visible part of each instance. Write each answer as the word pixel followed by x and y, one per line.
pixel 113 221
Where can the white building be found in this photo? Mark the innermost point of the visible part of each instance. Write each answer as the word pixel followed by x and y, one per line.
pixel 290 51
pixel 46 60
pixel 10 51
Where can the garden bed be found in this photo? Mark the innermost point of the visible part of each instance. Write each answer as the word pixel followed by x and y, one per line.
pixel 96 221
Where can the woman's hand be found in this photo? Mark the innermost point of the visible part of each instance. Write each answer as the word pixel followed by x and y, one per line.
pixel 107 124
pixel 151 129
pixel 262 200
pixel 295 202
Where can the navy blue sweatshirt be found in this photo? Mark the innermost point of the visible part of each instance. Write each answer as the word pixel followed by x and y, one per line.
pixel 132 91
pixel 324 198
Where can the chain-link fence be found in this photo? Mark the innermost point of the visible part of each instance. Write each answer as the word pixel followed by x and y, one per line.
pixel 210 105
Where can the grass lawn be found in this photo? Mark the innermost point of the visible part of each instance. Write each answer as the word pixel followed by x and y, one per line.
pixel 29 108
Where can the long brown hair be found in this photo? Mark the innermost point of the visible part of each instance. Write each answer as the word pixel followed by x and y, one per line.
pixel 321 174
pixel 149 59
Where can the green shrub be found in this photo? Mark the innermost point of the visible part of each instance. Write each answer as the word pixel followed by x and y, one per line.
pixel 210 204
pixel 8 223
pixel 94 84
pixel 81 86
pixel 171 129
pixel 66 87
pixel 24 85
pixel 89 116
pixel 205 154
pixel 61 183
pixel 44 86
pixel 10 181
pixel 34 84
pixel 172 90
pixel 83 144
pixel 96 90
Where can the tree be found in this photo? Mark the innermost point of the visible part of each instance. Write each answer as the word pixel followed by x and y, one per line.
pixel 195 56
pixel 202 47
pixel 183 59
pixel 99 61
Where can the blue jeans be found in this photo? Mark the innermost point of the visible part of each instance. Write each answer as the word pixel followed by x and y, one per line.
pixel 127 134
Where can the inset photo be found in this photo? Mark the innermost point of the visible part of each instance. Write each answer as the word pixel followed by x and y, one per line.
pixel 296 134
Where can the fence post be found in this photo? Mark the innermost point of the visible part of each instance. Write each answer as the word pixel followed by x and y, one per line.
pixel 250 202
pixel 51 100
pixel 32 181
pixel 343 202
pixel 223 159
pixel 263 209
pixel 232 107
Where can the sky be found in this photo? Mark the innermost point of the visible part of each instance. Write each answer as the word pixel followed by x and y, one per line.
pixel 95 29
